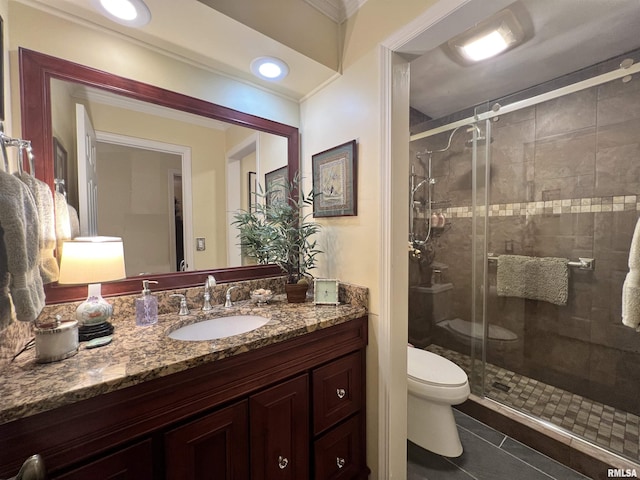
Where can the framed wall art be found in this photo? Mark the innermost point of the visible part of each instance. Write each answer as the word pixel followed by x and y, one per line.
pixel 335 181
pixel 252 190
pixel 276 185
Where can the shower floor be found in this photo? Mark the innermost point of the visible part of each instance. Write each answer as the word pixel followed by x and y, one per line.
pixel 603 425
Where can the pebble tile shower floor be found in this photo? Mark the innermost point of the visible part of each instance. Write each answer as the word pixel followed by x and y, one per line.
pixel 606 426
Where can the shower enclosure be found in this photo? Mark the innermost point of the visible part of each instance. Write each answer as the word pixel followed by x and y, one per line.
pixel 549 172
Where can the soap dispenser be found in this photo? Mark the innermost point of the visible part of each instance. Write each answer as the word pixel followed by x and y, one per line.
pixel 146 306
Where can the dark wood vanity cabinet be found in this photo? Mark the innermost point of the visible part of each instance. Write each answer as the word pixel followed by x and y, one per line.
pixel 293 410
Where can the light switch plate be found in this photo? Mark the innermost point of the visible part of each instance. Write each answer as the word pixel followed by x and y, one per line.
pixel 200 244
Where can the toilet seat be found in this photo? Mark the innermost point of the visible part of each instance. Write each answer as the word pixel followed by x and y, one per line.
pixel 496 332
pixel 427 368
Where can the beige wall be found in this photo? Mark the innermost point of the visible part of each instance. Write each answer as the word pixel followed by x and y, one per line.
pixel 97 48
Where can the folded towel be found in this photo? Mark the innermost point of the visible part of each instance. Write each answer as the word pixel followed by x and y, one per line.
pixel 5 278
pixel 20 224
pixel 535 278
pixel 44 204
pixel 74 221
pixel 631 285
pixel 63 224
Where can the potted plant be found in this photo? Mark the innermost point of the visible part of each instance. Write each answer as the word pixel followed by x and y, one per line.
pixel 278 232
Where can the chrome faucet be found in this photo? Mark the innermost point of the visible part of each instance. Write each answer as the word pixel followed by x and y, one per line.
pixel 209 282
pixel 184 308
pixel 228 302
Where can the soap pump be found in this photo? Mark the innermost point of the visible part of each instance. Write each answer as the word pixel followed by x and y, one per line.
pixel 146 306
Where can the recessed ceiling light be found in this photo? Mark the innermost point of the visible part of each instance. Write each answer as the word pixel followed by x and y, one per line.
pixel 269 68
pixel 132 13
pixel 489 38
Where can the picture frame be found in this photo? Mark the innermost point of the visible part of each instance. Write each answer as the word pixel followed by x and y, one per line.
pixel 252 190
pixel 276 185
pixel 335 181
pixel 59 160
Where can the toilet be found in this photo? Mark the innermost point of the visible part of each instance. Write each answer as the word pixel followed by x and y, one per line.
pixel 434 384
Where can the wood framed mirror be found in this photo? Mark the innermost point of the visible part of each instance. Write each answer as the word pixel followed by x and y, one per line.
pixel 36 72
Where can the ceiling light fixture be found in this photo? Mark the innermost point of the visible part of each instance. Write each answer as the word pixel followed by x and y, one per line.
pixel 132 13
pixel 269 68
pixel 489 38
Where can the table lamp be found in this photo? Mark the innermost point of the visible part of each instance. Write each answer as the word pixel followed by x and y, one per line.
pixel 92 260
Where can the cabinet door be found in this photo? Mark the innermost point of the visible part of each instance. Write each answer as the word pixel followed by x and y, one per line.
pixel 132 463
pixel 280 431
pixel 212 447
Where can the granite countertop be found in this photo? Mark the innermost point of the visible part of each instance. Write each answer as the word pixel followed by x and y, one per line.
pixel 138 354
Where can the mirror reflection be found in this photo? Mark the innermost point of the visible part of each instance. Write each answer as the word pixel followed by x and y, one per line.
pixel 164 180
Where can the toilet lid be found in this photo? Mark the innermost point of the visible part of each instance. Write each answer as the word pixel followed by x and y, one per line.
pixel 429 368
pixel 496 332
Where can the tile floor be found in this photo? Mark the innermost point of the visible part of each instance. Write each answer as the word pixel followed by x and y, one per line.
pixel 488 455
pixel 603 425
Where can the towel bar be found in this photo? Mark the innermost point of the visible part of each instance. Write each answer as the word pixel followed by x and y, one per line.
pixel 581 264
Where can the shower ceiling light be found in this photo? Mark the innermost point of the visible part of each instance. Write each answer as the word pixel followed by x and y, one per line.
pixel 489 38
pixel 132 13
pixel 269 68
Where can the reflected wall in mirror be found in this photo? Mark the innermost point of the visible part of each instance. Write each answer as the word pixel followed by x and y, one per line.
pixel 163 177
pixel 214 146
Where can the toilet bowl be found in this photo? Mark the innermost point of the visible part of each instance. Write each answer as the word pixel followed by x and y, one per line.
pixel 434 384
pixel 498 337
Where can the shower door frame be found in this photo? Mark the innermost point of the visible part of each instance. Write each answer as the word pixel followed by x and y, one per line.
pixel 480 201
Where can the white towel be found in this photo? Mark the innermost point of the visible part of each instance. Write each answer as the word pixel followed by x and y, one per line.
pixel 631 285
pixel 535 278
pixel 47 241
pixel 63 223
pixel 20 227
pixel 74 221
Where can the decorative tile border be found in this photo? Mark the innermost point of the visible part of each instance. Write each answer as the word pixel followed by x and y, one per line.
pixel 551 207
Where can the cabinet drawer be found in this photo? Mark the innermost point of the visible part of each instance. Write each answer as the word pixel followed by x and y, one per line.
pixel 337 391
pixel 338 453
pixel 131 463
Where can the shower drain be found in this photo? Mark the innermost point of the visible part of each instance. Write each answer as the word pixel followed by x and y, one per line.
pixel 501 386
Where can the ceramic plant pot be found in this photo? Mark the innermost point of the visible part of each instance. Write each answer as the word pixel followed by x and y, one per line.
pixel 296 292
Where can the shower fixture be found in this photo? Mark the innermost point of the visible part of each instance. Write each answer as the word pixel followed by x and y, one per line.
pixel 429 181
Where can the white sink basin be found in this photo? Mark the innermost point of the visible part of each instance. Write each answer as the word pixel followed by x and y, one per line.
pixel 219 327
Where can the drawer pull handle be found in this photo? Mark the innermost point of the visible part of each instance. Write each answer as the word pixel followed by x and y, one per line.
pixel 341 392
pixel 340 462
pixel 282 462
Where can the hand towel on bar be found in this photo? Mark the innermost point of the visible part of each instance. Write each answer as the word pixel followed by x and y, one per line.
pixel 534 278
pixel 74 221
pixel 44 203
pixel 19 222
pixel 631 285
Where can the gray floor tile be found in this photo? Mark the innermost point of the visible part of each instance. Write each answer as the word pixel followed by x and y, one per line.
pixel 425 465
pixel 484 461
pixel 478 428
pixel 540 461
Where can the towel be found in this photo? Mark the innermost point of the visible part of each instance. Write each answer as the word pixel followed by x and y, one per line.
pixel 535 278
pixel 44 203
pixel 631 285
pixel 74 221
pixel 5 278
pixel 20 225
pixel 63 223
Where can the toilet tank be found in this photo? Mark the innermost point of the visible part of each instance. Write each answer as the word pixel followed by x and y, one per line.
pixel 434 301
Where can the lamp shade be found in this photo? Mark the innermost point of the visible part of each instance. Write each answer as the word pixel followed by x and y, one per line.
pixel 92 260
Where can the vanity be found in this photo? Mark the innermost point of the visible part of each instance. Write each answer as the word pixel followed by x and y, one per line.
pixel 285 401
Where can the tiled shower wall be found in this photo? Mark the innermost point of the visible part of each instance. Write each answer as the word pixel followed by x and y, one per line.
pixel 564 182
